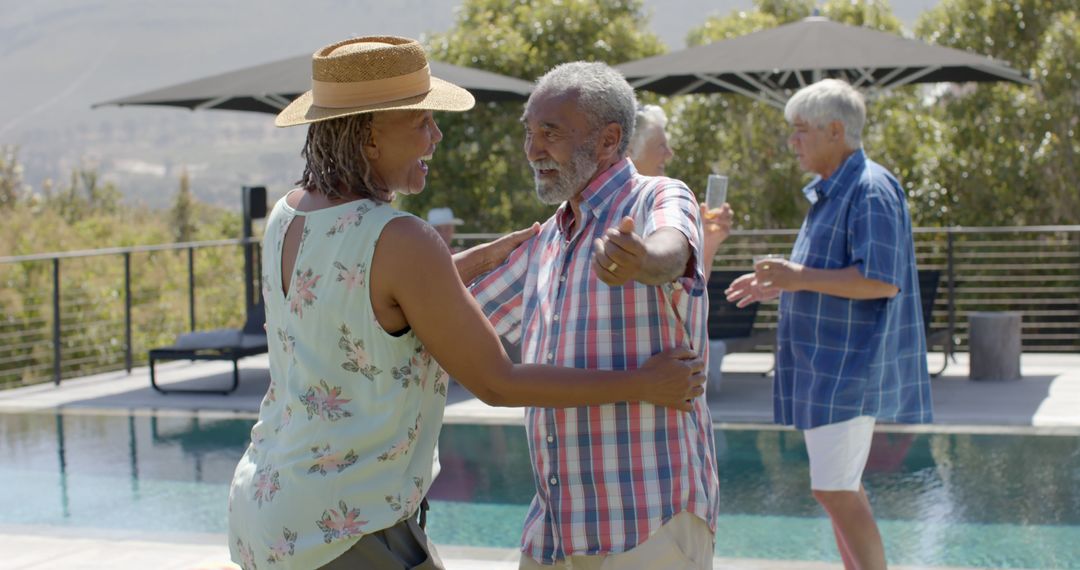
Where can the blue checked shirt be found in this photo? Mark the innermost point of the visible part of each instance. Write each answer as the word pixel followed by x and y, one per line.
pixel 842 358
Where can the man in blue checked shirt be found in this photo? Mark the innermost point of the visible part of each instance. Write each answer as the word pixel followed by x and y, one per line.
pixel 850 342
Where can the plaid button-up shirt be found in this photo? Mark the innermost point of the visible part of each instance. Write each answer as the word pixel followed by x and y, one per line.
pixel 607 476
pixel 841 358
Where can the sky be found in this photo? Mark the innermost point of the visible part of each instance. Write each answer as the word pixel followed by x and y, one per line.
pixel 59 57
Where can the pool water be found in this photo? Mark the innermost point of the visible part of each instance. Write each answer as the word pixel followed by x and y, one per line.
pixel 982 501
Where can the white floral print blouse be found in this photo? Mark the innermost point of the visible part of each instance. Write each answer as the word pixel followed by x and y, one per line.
pixel 346 439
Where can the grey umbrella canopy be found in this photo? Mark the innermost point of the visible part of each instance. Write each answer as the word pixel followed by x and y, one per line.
pixel 269 87
pixel 766 64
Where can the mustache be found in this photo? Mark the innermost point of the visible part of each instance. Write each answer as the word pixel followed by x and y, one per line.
pixel 546 164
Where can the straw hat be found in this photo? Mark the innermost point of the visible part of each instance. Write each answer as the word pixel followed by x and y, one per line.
pixel 372 73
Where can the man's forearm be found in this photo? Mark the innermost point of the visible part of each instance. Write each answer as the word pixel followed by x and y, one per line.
pixel 666 255
pixel 847 283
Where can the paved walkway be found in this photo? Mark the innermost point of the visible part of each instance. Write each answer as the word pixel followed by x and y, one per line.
pixel 1046 400
pixel 54 550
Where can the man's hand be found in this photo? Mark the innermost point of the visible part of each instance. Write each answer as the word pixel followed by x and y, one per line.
pixel 496 251
pixel 747 289
pixel 674 378
pixel 716 224
pixel 480 259
pixel 619 254
pixel 778 273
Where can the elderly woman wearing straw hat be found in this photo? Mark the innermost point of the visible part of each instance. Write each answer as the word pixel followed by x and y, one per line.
pixel 365 308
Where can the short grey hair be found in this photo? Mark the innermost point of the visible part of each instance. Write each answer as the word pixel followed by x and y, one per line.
pixel 603 94
pixel 830 100
pixel 648 119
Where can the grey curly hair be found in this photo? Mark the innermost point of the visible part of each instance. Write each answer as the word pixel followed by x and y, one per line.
pixel 603 94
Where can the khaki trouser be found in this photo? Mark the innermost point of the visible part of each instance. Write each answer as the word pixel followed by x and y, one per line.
pixel 683 543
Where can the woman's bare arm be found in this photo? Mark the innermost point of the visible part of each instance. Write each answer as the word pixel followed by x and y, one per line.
pixel 413 271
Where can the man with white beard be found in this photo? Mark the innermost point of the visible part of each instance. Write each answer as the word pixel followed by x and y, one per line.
pixel 614 276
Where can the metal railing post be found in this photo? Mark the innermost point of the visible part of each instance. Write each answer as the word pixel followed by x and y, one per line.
pixel 258 274
pixel 56 320
pixel 133 449
pixel 127 311
pixel 249 262
pixel 61 452
pixel 191 286
pixel 952 284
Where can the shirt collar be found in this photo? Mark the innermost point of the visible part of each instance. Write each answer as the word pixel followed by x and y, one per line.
pixel 819 188
pixel 599 192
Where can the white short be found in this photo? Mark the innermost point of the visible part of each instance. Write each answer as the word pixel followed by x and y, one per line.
pixel 838 453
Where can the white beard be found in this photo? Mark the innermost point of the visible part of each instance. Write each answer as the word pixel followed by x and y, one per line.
pixel 571 177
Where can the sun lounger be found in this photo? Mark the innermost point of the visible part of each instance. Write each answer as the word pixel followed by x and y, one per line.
pixel 221 344
pixel 731 329
pixel 944 338
pixel 734 327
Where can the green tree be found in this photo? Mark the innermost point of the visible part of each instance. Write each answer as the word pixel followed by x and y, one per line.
pixel 737 136
pixel 480 168
pixel 1015 147
pixel 182 214
pixel 874 14
pixel 747 139
pixel 11 180
pixel 785 11
pixel 85 215
pixel 84 196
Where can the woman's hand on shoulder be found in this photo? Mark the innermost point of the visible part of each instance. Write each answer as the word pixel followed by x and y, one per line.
pixel 496 251
pixel 480 259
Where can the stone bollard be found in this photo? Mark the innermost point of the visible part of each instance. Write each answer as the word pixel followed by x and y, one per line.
pixel 994 345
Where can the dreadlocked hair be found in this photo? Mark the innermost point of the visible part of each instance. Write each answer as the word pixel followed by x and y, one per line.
pixel 335 162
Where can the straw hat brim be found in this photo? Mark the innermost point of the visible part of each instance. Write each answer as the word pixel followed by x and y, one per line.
pixel 443 96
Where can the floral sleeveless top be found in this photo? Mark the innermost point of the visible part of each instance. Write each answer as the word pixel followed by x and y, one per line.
pixel 346 439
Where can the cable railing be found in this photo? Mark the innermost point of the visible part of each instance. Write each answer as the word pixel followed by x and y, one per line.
pixel 72 314
pixel 78 313
pixel 1034 270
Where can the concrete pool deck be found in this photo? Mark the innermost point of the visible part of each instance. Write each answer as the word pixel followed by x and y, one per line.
pixel 1045 401
pixel 28 549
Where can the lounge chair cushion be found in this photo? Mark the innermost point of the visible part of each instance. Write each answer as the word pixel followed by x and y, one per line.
pixel 218 338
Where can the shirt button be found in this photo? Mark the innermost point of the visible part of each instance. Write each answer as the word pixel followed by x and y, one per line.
pixel 562 279
pixel 553 481
pixel 551 356
pixel 555 318
pixel 550 438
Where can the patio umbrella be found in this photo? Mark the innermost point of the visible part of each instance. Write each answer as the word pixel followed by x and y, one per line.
pixel 269 87
pixel 765 65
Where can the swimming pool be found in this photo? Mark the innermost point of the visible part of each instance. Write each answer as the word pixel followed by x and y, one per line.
pixel 985 501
